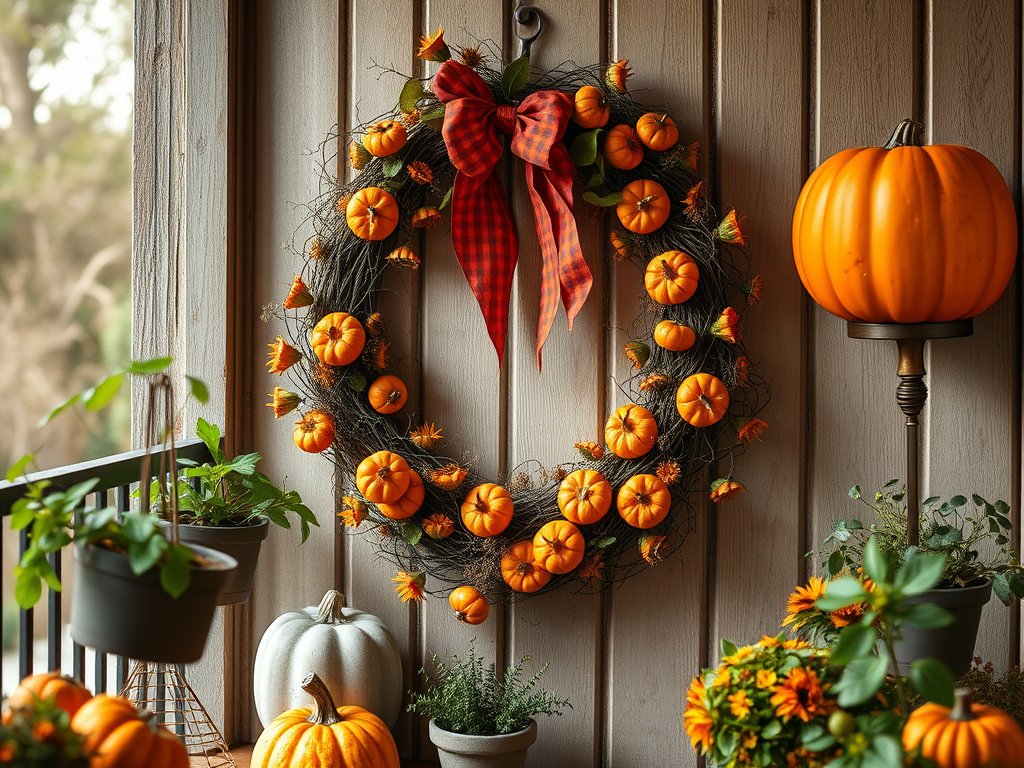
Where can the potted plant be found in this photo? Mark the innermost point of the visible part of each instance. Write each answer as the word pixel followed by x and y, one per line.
pixel 965 533
pixel 228 506
pixel 41 735
pixel 481 720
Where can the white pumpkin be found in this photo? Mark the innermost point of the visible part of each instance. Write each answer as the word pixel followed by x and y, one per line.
pixel 353 652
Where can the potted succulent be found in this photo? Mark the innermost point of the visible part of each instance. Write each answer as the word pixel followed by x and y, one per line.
pixel 478 720
pixel 228 506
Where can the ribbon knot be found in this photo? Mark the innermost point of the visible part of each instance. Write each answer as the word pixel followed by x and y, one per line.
pixel 483 233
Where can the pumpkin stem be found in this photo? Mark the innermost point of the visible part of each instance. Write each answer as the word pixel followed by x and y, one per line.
pixel 331 608
pixel 668 270
pixel 661 120
pixel 705 402
pixel 370 212
pixel 324 712
pixel 383 472
pixel 962 705
pixel 524 568
pixel 394 396
pixel 460 615
pixel 643 499
pixel 583 494
pixel 909 133
pixel 481 504
pixel 642 203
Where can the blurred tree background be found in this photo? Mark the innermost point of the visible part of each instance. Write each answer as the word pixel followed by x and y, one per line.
pixel 65 221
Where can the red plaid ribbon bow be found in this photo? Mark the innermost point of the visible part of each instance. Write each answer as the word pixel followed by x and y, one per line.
pixel 483 232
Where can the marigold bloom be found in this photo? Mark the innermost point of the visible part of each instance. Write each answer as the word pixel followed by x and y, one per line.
pixel 743 371
pixel 844 617
pixel 298 295
pixel 438 526
pixel 728 230
pixel 651 547
pixel 427 216
pixel 767 641
pixel 353 511
pixel 696 718
pixel 723 678
pixel 791 645
pixel 410 585
pixel 282 356
pixel 44 731
pixel 7 751
pixel 404 256
pixel 591 567
pixel 766 678
pixel 800 695
pixel 343 202
pixel 637 352
pixel 725 327
pixel 749 740
pixel 375 325
pixel 695 201
pixel 420 172
pixel 739 656
pixel 668 472
pixel 752 430
pixel 617 75
pixel 283 402
pixel 358 155
pixel 590 450
pixel 802 600
pixel 471 57
pixel 434 48
pixel 448 477
pixel 739 704
pixel 428 437
pixel 723 489
pixel 654 382
pixel 753 289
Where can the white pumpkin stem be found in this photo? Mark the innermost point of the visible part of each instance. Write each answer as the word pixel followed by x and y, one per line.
pixel 963 698
pixel 331 608
pixel 324 712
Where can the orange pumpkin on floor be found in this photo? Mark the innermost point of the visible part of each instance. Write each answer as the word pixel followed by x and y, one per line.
pixel 702 399
pixel 123 737
pixel 383 477
pixel 966 736
pixel 657 132
pixel 372 213
pixel 340 737
pixel 338 339
pixel 520 571
pixel 469 605
pixel 584 496
pixel 590 108
pixel 631 431
pixel 671 278
pixel 487 510
pixel 388 394
pixel 558 546
pixel 409 503
pixel 622 148
pixel 644 501
pixel 314 432
pixel 645 206
pixel 67 693
pixel 384 138
pixel 674 336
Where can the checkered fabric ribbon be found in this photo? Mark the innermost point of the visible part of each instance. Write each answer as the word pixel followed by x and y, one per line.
pixel 483 232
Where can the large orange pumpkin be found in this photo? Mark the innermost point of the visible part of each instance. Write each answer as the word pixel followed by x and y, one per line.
pixel 702 399
pixel 590 108
pixel 644 207
pixel 622 148
pixel 487 510
pixel 967 736
pixel 383 477
pixel 314 432
pixel 384 138
pixel 643 501
pixel 340 737
pixel 372 213
pixel 905 233
pixel 410 501
pixel 631 431
pixel 67 694
pixel 387 394
pixel 558 546
pixel 125 738
pixel 521 571
pixel 338 339
pixel 657 132
pixel 584 496
pixel 671 278
pixel 469 605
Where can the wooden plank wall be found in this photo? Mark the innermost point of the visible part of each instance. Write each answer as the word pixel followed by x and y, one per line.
pixel 771 88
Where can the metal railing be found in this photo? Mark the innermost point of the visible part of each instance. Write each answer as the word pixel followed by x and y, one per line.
pixel 117 475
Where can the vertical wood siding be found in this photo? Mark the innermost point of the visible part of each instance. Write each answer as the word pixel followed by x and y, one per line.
pixel 771 88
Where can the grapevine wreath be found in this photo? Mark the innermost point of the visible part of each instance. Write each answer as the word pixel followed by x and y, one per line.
pixel 693 393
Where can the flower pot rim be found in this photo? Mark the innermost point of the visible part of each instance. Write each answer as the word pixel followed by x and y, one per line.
pixel 215 561
pixel 979 584
pixel 262 521
pixel 532 726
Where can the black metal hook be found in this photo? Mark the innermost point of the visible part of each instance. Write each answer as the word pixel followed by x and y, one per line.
pixel 524 16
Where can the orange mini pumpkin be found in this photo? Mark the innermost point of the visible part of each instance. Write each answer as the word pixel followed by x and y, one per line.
pixel 67 694
pixel 558 546
pixel 409 503
pixel 671 278
pixel 338 339
pixel 314 432
pixel 584 496
pixel 469 605
pixel 384 138
pixel 383 477
pixel 657 132
pixel 590 107
pixel 388 394
pixel 702 399
pixel 674 336
pixel 521 571
pixel 645 206
pixel 644 501
pixel 123 737
pixel 487 510
pixel 631 431
pixel 622 148
pixel 372 213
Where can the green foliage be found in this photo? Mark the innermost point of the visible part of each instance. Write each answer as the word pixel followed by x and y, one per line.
pixel 515 77
pixel 464 698
pixel 40 736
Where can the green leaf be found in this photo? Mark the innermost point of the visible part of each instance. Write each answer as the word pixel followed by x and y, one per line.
pixel 210 434
pixel 175 576
pixel 604 543
pixel 143 555
pixel 836 562
pixel 1002 508
pixel 821 743
pixel 875 564
pixel 144 367
pixel 1001 586
pixel 412 92
pixel 598 178
pixel 356 381
pixel 928 616
pixel 98 397
pixel 773 729
pixel 18 468
pixel 583 150
pixel 854 493
pixel 412 533
pixel 392 166
pixel 855 641
pixel 58 409
pixel 840 593
pixel 22 514
pixel 433 115
pixel 887 750
pixel 725 648
pixel 245 464
pixel 613 198
pixel 933 681
pixel 198 390
pixel 28 588
pixel 921 573
pixel 447 199
pixel 861 680
pixel 516 76
pixel 1017 585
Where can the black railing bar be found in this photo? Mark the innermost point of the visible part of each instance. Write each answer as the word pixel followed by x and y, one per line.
pixel 120 674
pixel 53 617
pixel 26 633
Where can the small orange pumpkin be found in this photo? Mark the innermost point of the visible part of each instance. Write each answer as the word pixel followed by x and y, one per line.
pixel 584 496
pixel 487 510
pixel 409 503
pixel 643 501
pixel 631 431
pixel 469 605
pixel 645 206
pixel 558 546
pixel 66 693
pixel 383 477
pixel 702 399
pixel 388 394
pixel 674 336
pixel 338 339
pixel 123 737
pixel 372 213
pixel 622 148
pixel 314 432
pixel 671 278
pixel 520 571
pixel 657 132
pixel 384 138
pixel 590 107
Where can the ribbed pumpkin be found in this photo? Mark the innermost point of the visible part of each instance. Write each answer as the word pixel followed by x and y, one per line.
pixel 387 394
pixel 384 138
pixel 622 148
pixel 338 339
pixel 314 432
pixel 674 336
pixel 339 737
pixel 643 501
pixel 702 399
pixel 584 496
pixel 410 501
pixel 671 278
pixel 469 605
pixel 590 107
pixel 657 131
pixel 372 213
pixel 521 571
pixel 558 546
pixel 383 477
pixel 67 694
pixel 645 206
pixel 487 510
pixel 123 737
pixel 967 736
pixel 905 233
pixel 631 431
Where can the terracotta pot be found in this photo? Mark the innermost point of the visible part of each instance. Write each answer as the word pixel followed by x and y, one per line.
pixel 458 750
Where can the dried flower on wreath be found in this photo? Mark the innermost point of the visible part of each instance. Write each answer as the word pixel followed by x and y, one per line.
pixel 425 217
pixel 743 371
pixel 651 547
pixel 449 477
pixel 404 256
pixel 298 295
pixel 438 526
pixel 726 326
pixel 410 585
pixel 434 48
pixel 637 353
pixel 420 172
pixel 617 74
pixel 668 472
pixel 590 450
pixel 427 436
pixel 353 511
pixel 283 402
pixel 753 290
pixel 723 489
pixel 282 356
pixel 654 382
pixel 471 56
pixel 752 430
pixel 728 231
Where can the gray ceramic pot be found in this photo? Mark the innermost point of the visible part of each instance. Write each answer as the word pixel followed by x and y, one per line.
pixel 240 542
pixel 118 612
pixel 457 750
pixel 954 644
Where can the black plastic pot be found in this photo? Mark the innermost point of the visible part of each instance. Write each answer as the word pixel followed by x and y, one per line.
pixel 118 612
pixel 242 543
pixel 954 644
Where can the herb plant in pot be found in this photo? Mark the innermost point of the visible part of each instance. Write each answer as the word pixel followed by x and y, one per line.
pixel 481 720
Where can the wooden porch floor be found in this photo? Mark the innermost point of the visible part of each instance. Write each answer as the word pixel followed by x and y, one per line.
pixel 243 755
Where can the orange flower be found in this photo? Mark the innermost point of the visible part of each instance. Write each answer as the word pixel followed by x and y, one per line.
pixel 376 355
pixel 651 547
pixel 696 717
pixel 803 600
pixel 434 48
pixel 753 289
pixel 617 75
pixel 403 256
pixel 428 437
pixel 767 641
pixel 438 526
pixel 283 402
pixel 728 230
pixel 471 57
pixel 410 585
pixel 725 327
pixel 44 731
pixel 668 472
pixel 743 371
pixel 7 751
pixel 590 450
pixel 752 430
pixel 298 295
pixel 343 202
pixel 375 325
pixel 791 645
pixel 637 352
pixel 800 695
pixel 766 678
pixel 282 356
pixel 591 567
pixel 723 678
pixel 411 118
pixel 427 216
pixel 420 172
pixel 723 489
pixel 448 477
pixel 358 155
pixel 620 243
pixel 654 382
pixel 741 654
pixel 695 201
pixel 844 617
pixel 690 156
pixel 739 704
pixel 353 511
pixel 316 249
